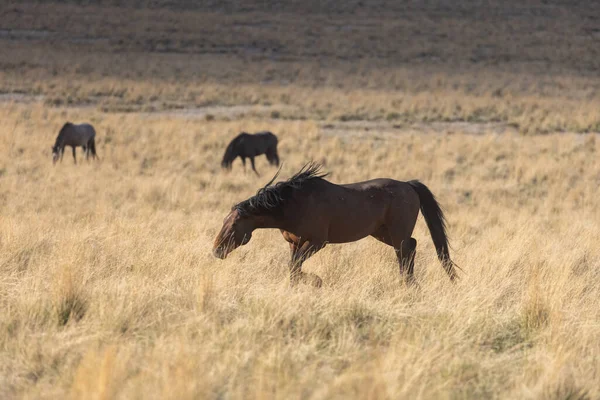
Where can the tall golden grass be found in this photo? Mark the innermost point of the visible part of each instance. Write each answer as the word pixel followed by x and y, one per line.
pixel 109 288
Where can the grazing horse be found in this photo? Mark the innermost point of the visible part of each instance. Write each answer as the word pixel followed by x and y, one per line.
pixel 311 212
pixel 246 145
pixel 74 135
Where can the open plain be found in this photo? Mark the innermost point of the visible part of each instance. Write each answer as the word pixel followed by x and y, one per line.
pixel 108 288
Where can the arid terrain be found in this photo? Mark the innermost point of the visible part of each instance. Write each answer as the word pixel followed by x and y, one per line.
pixel 108 288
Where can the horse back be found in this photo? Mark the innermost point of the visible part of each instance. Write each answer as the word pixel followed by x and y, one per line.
pixel 86 130
pixel 270 138
pixel 384 190
pixel 77 134
pixel 374 184
pixel 268 141
pixel 253 145
pixel 345 213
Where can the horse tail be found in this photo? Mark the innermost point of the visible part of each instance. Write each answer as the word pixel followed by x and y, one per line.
pixel 272 155
pixel 436 222
pixel 230 153
pixel 93 148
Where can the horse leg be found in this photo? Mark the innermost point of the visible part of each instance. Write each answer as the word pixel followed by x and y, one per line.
pixel 244 162
pixel 299 254
pixel 405 252
pixel 74 158
pixel 406 259
pixel 253 169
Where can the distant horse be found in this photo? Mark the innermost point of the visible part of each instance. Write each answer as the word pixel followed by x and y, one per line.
pixel 75 135
pixel 246 145
pixel 311 212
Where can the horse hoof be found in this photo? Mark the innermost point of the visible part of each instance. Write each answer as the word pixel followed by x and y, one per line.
pixel 315 280
pixel 307 279
pixel 318 282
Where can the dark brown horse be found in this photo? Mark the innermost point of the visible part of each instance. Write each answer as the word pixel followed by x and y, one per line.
pixel 249 146
pixel 311 212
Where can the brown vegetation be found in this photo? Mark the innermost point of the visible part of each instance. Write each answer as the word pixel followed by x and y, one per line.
pixel 108 288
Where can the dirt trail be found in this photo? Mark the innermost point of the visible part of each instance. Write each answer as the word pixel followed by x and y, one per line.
pixel 345 129
pixel 384 129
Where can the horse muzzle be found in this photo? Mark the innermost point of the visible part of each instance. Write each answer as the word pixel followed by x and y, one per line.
pixel 219 253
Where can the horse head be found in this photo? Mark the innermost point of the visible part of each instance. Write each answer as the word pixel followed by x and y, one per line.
pixel 55 153
pixel 236 232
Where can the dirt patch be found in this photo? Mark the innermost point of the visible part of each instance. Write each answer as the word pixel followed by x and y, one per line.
pixel 388 130
pixel 43 34
pixel 221 111
pixel 25 34
pixel 20 98
pixel 474 128
pixel 159 109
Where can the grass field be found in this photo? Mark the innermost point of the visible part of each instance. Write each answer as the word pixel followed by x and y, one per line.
pixel 108 288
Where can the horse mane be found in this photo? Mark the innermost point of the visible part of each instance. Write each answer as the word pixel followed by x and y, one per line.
pixel 272 197
pixel 67 124
pixel 230 151
pixel 60 135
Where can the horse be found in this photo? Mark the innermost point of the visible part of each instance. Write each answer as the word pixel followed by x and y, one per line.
pixel 247 145
pixel 75 135
pixel 311 212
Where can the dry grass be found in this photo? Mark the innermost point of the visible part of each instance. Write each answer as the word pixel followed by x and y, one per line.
pixel 108 288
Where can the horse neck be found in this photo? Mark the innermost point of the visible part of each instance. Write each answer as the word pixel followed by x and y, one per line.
pixel 60 140
pixel 267 221
pixel 286 219
pixel 62 137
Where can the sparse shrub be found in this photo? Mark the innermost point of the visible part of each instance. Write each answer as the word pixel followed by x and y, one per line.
pixel 71 307
pixel 392 116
